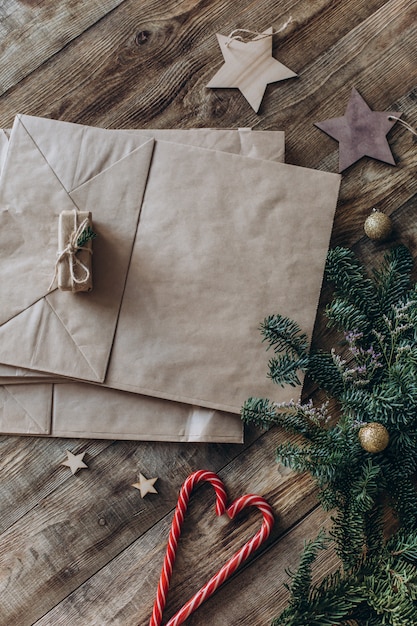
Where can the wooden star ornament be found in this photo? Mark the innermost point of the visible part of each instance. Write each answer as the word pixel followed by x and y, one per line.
pixel 145 485
pixel 361 132
pixel 249 67
pixel 74 462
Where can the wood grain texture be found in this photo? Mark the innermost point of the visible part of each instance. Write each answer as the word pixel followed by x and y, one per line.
pixel 86 549
pixel 117 73
pixel 31 31
pixel 206 542
pixel 89 518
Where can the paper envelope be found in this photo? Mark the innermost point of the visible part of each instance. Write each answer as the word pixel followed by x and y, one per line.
pixel 222 241
pixel 80 410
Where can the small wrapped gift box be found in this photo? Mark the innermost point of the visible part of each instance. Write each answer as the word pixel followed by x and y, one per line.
pixel 74 265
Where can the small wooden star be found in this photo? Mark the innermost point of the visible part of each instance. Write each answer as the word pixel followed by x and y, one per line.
pixel 249 66
pixel 145 485
pixel 361 132
pixel 74 461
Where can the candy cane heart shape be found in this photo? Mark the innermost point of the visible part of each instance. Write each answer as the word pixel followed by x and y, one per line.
pixel 229 567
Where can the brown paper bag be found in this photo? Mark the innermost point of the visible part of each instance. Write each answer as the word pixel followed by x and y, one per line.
pixel 222 241
pixel 83 410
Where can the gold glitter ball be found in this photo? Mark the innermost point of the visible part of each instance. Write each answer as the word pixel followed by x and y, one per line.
pixel 378 226
pixel 373 437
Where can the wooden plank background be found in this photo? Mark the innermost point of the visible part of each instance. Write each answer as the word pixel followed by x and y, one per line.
pixel 86 549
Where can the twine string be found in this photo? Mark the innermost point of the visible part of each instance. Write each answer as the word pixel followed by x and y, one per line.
pixel 70 253
pixel 255 35
pixel 403 123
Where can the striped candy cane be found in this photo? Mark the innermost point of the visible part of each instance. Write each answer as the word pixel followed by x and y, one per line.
pixel 232 564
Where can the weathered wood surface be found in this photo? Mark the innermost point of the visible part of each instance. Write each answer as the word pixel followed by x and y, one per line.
pixel 86 549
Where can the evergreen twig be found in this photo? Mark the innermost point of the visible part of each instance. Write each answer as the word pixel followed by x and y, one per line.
pixel 85 236
pixel 374 379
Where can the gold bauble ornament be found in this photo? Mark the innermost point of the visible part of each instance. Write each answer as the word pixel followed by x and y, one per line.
pixel 373 437
pixel 378 226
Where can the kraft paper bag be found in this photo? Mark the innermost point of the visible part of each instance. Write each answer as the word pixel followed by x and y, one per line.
pixel 84 411
pixel 30 208
pixel 80 410
pixel 222 241
pixel 93 172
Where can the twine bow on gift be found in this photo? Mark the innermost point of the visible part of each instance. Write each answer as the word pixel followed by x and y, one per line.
pixel 80 235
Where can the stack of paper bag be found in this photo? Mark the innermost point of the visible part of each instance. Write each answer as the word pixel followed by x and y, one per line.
pixel 200 235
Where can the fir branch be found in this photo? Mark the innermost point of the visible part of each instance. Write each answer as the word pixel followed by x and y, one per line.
pixel 284 369
pixel 301 580
pixel 374 530
pixel 294 417
pixel 402 454
pixel 350 281
pixel 368 487
pixel 345 315
pixel 381 588
pixel 295 456
pixel 374 381
pixel 404 499
pixel 85 236
pixel 326 373
pixel 403 545
pixel 328 604
pixel 392 279
pixel 260 412
pixel 284 335
pixel 357 401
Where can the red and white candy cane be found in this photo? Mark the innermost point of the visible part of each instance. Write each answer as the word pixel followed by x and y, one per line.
pixel 232 564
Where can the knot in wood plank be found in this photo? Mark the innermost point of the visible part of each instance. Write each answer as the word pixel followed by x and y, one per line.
pixel 142 37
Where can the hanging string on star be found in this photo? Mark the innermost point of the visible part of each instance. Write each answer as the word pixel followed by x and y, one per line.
pixel 403 123
pixel 253 35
